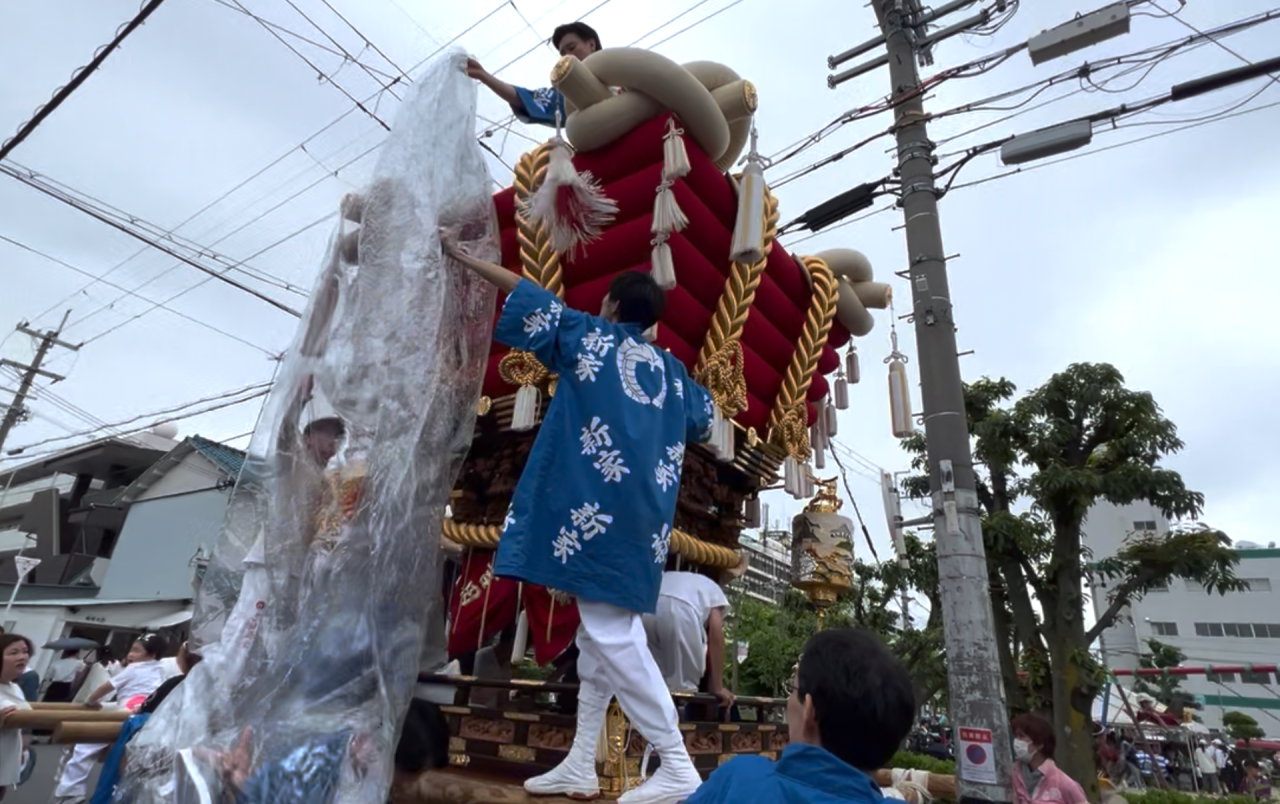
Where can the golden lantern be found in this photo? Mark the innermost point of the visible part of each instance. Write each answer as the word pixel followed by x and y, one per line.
pixel 822 549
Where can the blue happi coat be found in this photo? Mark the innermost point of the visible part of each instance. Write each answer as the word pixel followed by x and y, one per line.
pixel 592 513
pixel 538 105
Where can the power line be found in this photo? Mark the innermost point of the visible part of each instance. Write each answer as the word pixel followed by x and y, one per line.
pixel 78 78
pixel 128 292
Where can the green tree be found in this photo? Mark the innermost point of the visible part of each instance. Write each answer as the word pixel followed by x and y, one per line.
pixel 1081 438
pixel 1240 726
pixel 1167 689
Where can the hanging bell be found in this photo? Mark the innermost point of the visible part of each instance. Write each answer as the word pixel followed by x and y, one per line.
pixel 841 393
pixel 900 400
pixel 851 367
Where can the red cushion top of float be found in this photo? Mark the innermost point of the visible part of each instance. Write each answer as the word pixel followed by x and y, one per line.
pixel 629 170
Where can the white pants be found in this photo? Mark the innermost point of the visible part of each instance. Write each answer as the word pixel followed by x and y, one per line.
pixel 615 660
pixel 76 770
pixel 678 642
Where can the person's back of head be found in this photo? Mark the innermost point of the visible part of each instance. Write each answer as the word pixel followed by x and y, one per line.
pixel 852 698
pixel 634 298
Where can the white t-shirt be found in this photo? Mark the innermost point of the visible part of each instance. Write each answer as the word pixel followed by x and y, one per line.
pixel 11 739
pixel 139 678
pixel 64 670
pixel 697 590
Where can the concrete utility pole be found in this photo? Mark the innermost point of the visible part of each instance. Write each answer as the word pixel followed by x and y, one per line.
pixel 47 341
pixel 978 713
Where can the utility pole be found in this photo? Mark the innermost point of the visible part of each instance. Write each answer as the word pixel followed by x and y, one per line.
pixel 978 713
pixel 48 340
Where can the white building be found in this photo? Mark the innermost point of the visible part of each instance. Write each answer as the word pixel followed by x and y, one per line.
pixel 1241 628
pixel 119 526
pixel 768 574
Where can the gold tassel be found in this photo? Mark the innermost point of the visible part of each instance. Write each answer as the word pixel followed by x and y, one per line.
pixel 662 267
pixel 675 157
pixel 525 416
pixel 748 228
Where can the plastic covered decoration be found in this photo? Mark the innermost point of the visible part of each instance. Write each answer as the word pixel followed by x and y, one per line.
pixel 312 615
pixel 822 548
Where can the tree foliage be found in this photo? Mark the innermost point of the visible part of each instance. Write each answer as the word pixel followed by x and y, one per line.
pixel 1042 462
pixel 1167 689
pixel 1240 726
pixel 776 634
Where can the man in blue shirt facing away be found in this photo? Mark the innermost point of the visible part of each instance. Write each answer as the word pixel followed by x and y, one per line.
pixel 850 706
pixel 593 511
pixel 541 105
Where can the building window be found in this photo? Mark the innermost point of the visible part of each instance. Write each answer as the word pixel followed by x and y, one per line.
pixel 1258 584
pixel 1255 678
pixel 1239 630
pixel 1164 629
pixel 1148 525
pixel 1225 678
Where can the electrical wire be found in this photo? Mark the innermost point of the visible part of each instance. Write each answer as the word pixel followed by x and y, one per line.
pixel 866 534
pixel 850 221
pixel 128 292
pixel 257 389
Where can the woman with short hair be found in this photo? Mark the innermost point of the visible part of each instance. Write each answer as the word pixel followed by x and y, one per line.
pixel 1036 779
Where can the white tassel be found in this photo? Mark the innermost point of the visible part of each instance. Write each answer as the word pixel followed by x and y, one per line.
pixel 751 513
pixel 806 482
pixel 667 215
pixel 675 157
pixel 819 458
pixel 842 393
pixel 748 228
pixel 900 400
pixel 851 366
pixel 832 422
pixel 572 205
pixel 520 645
pixel 791 477
pixel 662 267
pixel 722 435
pixel 525 415
pixel 817 438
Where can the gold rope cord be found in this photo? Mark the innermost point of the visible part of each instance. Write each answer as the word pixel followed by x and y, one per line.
pixel 539 261
pixel 719 367
pixel 691 548
pixel 789 408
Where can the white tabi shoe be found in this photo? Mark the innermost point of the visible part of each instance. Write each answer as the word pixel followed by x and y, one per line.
pixel 675 780
pixel 575 777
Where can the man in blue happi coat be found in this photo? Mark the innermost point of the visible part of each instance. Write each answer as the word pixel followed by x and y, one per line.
pixel 850 706
pixel 541 105
pixel 593 510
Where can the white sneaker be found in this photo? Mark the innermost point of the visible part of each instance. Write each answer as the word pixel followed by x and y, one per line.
pixel 675 780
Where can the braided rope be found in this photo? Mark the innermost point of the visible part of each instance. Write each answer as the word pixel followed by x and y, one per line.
pixel 690 547
pixel 521 368
pixel 804 362
pixel 538 260
pixel 739 293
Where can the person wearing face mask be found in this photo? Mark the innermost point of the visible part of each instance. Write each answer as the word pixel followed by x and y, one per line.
pixel 1036 779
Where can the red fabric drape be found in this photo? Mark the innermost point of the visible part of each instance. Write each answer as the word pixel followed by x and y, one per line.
pixel 481 605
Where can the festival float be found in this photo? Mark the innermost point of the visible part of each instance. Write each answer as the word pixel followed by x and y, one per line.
pixel 641 178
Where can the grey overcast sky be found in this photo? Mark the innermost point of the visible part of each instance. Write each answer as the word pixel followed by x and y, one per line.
pixel 1157 256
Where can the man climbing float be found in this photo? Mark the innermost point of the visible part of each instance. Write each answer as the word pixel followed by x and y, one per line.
pixel 541 105
pixel 593 510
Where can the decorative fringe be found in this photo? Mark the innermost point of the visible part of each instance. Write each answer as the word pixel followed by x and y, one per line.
pixel 722 435
pixel 900 400
pixel 842 393
pixel 751 513
pixel 851 366
pixel 675 157
pixel 662 267
pixel 525 415
pixel 830 420
pixel 572 205
pixel 668 218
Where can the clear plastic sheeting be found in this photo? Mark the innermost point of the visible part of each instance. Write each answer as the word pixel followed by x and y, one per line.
pixel 325 587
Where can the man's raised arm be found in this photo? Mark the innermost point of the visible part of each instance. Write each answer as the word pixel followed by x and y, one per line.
pixel 495 275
